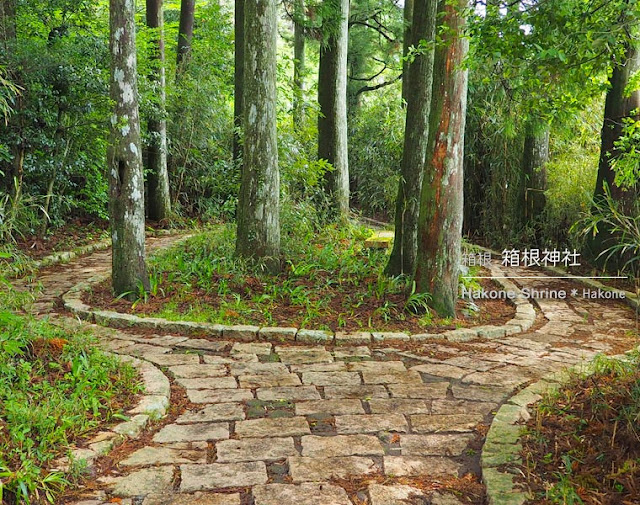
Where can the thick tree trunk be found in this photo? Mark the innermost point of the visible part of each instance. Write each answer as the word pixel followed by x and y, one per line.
pixel 407 43
pixel 158 178
pixel 332 120
pixel 126 183
pixel 185 32
pixel 420 73
pixel 238 77
pixel 535 158
pixel 441 204
pixel 17 173
pixel 298 64
pixel 618 106
pixel 259 199
pixel 7 21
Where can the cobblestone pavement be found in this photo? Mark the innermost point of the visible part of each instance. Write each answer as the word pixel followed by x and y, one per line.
pixel 269 423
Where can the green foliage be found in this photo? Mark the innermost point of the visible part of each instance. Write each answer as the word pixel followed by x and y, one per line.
pixel 627 163
pixel 327 277
pixel 551 56
pixel 55 386
pixel 19 215
pixel 571 174
pixel 608 217
pixel 59 119
pixel 375 154
pixel 204 181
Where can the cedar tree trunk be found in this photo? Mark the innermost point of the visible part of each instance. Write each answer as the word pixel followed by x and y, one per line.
pixel 158 178
pixel 441 203
pixel 185 33
pixel 420 74
pixel 258 202
pixel 332 98
pixel 126 184
pixel 298 63
pixel 238 80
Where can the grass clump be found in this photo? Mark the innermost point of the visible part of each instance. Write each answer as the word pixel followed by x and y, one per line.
pixel 582 445
pixel 55 387
pixel 329 280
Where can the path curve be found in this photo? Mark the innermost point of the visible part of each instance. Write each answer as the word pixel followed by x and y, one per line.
pixel 273 424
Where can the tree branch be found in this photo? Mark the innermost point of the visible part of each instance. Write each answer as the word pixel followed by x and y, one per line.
pixel 369 78
pixel 378 86
pixel 379 30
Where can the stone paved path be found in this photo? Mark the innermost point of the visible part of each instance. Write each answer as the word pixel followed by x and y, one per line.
pixel 274 424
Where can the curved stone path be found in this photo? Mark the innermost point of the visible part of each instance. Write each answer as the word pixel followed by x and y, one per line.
pixel 268 423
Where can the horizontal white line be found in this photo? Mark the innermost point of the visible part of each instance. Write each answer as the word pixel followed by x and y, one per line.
pixel 547 277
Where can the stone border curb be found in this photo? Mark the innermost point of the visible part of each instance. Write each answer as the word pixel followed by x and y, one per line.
pixel 154 404
pixel 524 319
pixel 502 447
pixel 66 256
pixel 60 257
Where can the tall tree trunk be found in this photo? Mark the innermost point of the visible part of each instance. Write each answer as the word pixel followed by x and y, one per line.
pixel 420 74
pixel 332 98
pixel 259 200
pixel 158 178
pixel 534 160
pixel 441 204
pixel 298 63
pixel 126 180
pixel 618 106
pixel 407 43
pixel 7 21
pixel 185 33
pixel 238 78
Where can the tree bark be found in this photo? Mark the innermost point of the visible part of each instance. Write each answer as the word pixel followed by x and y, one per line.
pixel 407 43
pixel 7 21
pixel 420 74
pixel 332 120
pixel 535 158
pixel 238 77
pixel 441 204
pixel 259 200
pixel 618 106
pixel 126 183
pixel 158 177
pixel 298 64
pixel 185 33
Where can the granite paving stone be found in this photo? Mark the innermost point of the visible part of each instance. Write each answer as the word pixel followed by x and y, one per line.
pixel 344 406
pixel 290 393
pixel 192 432
pixel 222 475
pixel 304 469
pixel 302 494
pixel 341 445
pixel 371 423
pixel 255 449
pixel 277 427
pixel 219 395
